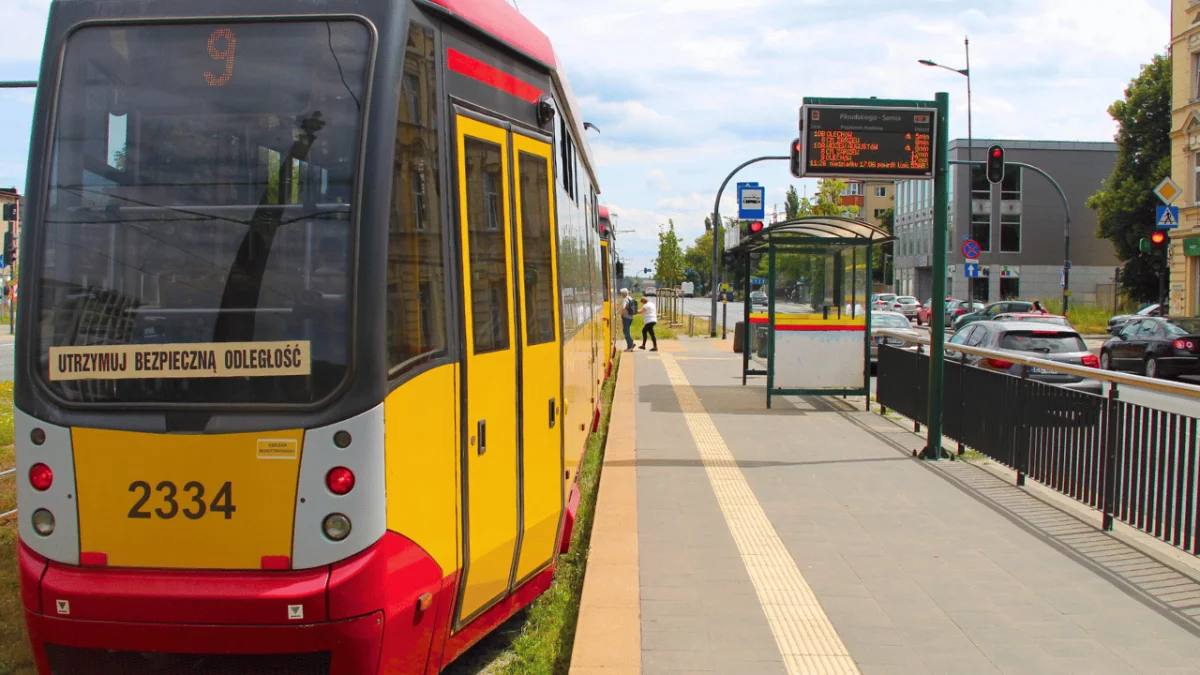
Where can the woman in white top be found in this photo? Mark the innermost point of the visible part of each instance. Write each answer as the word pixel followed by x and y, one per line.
pixel 649 317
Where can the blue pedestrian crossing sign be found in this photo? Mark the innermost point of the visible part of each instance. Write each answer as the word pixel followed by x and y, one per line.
pixel 1168 218
pixel 971 270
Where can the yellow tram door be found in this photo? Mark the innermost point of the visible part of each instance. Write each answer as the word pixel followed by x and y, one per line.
pixel 489 463
pixel 609 331
pixel 541 358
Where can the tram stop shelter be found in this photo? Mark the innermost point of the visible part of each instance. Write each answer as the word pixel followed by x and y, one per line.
pixel 821 347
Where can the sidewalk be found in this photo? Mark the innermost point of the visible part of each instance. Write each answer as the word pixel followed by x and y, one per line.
pixel 806 539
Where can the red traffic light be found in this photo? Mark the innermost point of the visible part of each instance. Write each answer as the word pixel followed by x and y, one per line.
pixel 1158 237
pixel 997 152
pixel 756 227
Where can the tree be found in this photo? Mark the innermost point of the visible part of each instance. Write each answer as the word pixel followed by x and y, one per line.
pixel 670 258
pixel 1125 204
pixel 792 203
pixel 698 258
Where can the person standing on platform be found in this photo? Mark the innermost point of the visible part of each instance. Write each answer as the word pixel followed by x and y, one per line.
pixel 649 314
pixel 628 311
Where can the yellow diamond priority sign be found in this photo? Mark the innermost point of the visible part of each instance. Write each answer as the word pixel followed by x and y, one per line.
pixel 1167 191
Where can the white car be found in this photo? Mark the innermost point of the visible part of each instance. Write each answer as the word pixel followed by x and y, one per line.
pixel 906 305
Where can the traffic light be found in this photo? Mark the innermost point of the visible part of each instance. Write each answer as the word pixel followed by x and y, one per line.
pixel 796 158
pixel 1144 245
pixel 756 227
pixel 1158 238
pixel 995 164
pixel 10 212
pixel 8 249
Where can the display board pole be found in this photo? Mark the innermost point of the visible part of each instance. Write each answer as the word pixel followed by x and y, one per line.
pixel 937 332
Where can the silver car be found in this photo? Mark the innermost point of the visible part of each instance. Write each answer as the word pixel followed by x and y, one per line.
pixel 1048 341
pixel 891 321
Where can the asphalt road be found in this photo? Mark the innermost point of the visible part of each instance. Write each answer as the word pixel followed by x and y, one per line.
pixel 6 358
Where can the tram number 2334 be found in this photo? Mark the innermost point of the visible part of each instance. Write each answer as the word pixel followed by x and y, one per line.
pixel 193 506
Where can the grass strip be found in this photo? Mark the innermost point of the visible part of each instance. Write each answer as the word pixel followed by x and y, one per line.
pixel 1085 318
pixel 544 644
pixel 15 658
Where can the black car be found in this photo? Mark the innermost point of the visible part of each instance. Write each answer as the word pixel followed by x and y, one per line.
pixel 1118 322
pixel 1155 347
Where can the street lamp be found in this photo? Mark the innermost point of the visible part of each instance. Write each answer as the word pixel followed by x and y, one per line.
pixel 970 141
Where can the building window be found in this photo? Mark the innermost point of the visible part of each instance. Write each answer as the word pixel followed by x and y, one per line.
pixel 879 213
pixel 853 189
pixel 1196 177
pixel 881 192
pixel 980 187
pixel 1010 187
pixel 981 230
pixel 1010 233
pixel 1196 73
pixel 1010 288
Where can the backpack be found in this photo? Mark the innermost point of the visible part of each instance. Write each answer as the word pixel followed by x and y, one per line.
pixel 630 307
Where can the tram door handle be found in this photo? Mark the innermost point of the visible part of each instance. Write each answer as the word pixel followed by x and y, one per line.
pixel 553 412
pixel 482 431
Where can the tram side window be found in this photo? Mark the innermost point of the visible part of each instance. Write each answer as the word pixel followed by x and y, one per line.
pixel 537 234
pixel 488 260
pixel 416 274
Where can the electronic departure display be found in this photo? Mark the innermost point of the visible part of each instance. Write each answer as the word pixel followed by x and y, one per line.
pixel 867 142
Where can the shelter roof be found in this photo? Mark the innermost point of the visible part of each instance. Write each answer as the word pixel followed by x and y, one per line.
pixel 835 230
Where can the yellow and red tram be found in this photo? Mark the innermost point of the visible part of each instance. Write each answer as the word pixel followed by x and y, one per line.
pixel 319 314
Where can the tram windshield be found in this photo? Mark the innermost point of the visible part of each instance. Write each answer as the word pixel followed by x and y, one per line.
pixel 198 240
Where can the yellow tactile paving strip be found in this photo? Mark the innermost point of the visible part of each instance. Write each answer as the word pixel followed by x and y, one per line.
pixel 806 638
pixel 608 638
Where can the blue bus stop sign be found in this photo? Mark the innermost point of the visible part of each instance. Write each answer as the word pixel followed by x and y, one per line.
pixel 751 198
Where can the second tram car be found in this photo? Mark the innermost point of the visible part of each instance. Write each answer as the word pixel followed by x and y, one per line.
pixel 314 334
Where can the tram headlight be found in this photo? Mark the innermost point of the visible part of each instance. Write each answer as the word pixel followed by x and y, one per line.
pixel 336 526
pixel 43 522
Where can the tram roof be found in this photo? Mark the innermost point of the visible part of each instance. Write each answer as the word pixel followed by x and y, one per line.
pixel 846 231
pixel 508 25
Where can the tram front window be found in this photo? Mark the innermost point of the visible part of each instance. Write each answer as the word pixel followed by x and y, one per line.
pixel 198 237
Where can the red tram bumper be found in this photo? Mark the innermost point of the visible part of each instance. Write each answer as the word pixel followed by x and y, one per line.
pixel 380 611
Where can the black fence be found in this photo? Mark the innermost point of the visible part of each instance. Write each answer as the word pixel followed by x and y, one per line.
pixel 1136 464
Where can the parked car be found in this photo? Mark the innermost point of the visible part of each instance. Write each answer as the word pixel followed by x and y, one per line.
pixel 925 314
pixel 758 298
pixel 1155 347
pixel 1043 318
pixel 906 305
pixel 882 301
pixel 960 308
pixel 1118 322
pixel 892 321
pixel 1042 340
pixel 993 310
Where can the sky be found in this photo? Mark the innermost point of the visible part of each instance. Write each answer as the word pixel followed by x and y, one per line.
pixel 683 91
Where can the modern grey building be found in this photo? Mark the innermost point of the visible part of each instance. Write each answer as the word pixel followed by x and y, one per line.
pixel 1019 225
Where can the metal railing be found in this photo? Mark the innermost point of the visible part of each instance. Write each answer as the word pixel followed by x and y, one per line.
pixel 1131 461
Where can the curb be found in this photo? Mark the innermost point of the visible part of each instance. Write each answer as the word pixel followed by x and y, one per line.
pixel 608 635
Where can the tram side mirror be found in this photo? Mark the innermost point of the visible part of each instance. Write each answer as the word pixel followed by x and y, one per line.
pixel 620 270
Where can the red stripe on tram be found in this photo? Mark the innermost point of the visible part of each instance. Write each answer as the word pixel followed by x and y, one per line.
pixel 482 72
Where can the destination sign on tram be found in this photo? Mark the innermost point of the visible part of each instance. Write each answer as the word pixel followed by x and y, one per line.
pixel 867 142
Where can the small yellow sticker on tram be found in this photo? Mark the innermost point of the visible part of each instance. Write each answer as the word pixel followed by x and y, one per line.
pixel 278 448
pixel 216 359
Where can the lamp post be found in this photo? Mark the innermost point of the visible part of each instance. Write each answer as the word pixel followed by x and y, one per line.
pixel 966 72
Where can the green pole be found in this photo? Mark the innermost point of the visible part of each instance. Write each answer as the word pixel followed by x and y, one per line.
pixel 770 319
pixel 937 333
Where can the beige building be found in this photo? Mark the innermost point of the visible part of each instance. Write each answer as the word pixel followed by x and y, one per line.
pixel 871 197
pixel 1184 285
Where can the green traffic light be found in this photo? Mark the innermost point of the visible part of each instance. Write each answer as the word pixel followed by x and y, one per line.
pixel 1144 245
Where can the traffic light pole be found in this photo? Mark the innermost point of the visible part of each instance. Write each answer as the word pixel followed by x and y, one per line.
pixel 1066 224
pixel 719 239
